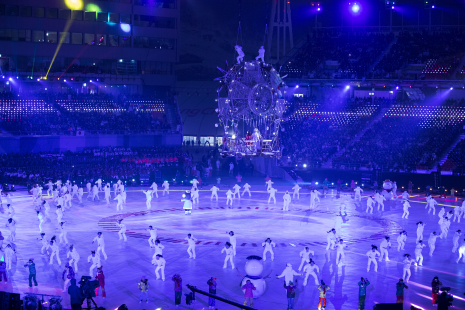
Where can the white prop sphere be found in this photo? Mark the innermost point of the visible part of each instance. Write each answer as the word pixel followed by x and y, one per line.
pixel 254 267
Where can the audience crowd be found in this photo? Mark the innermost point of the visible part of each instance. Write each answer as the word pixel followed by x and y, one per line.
pixel 313 137
pixel 101 113
pixel 358 54
pixel 456 158
pixel 398 144
pixel 110 164
pixel 370 134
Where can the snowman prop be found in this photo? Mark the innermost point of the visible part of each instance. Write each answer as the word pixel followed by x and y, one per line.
pixel 254 269
pixel 387 188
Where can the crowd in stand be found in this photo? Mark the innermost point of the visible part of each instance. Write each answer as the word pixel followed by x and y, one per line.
pixel 399 144
pixel 107 163
pixel 387 141
pixel 347 54
pixel 314 139
pixel 418 48
pixel 126 115
pixel 350 54
pixel 456 157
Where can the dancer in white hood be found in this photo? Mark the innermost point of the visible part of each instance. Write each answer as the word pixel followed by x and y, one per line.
pixel 311 269
pixel 373 254
pixel 246 188
pixel 237 191
pixel 101 244
pixel 331 238
pixel 420 229
pixel 122 230
pixel 406 206
pixel 229 255
pixel 370 203
pixel 232 241
pixel 305 257
pixel 107 192
pixel 166 188
pixel 455 240
pixel 229 197
pixel 153 236
pixel 214 191
pixel 269 245
pixel 288 274
pixel 148 196
pixel 296 189
pixel 287 201
pixel 358 193
pixel 340 254
pixel 385 245
pixel 119 204
pixel 272 192
pixel 74 257
pixel 432 242
pixel 191 242
pixel 154 189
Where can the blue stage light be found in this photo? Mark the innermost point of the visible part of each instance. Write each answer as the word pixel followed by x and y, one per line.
pixel 355 8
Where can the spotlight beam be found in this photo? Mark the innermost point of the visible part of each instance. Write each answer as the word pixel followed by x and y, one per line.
pixel 62 38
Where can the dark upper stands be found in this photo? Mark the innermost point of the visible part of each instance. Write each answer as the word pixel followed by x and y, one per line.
pixel 349 54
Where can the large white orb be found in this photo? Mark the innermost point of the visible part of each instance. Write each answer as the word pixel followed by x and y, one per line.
pixel 254 266
pixel 260 286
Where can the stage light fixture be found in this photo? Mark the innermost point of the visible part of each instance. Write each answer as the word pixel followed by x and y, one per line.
pixel 125 28
pixel 355 8
pixel 74 4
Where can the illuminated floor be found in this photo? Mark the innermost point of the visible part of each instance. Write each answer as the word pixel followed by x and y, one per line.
pixel 253 220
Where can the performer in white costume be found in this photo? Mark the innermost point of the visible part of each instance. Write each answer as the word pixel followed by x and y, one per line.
pixel 268 245
pixel 305 257
pixel 191 242
pixel 373 254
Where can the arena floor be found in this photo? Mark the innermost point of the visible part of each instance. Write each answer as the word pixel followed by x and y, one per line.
pixel 253 220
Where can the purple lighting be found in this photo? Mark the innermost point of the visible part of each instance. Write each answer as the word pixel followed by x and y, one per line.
pixel 297 86
pixel 125 27
pixel 392 7
pixel 355 8
pixel 319 9
pixel 432 6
